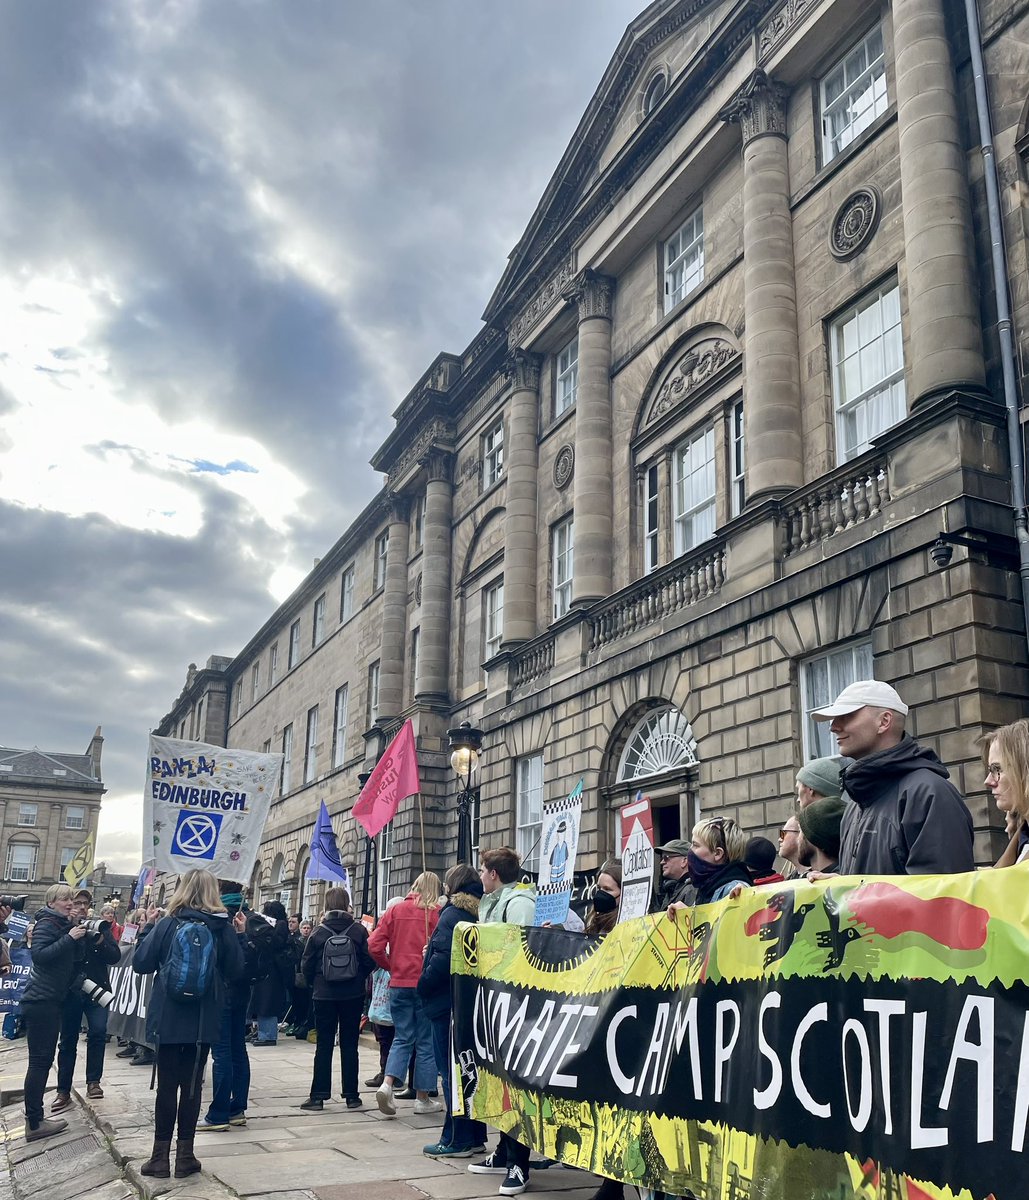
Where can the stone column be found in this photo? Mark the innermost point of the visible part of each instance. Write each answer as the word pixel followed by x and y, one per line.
pixel 394 611
pixel 772 409
pixel 434 646
pixel 591 564
pixel 521 536
pixel 944 331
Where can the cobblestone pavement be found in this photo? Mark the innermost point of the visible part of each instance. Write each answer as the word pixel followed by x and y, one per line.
pixel 282 1154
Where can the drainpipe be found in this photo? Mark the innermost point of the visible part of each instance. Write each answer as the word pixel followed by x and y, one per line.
pixel 1000 289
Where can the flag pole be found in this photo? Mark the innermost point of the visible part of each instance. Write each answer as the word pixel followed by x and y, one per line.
pixel 421 824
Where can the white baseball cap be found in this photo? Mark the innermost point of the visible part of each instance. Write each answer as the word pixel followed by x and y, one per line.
pixel 864 693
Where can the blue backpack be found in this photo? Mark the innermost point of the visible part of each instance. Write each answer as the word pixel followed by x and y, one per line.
pixel 188 970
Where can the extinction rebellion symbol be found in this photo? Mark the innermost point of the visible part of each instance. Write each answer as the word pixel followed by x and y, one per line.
pixel 196 834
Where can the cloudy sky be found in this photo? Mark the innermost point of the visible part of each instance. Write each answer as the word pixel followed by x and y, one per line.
pixel 233 233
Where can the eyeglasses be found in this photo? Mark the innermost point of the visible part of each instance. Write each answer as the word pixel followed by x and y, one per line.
pixel 994 771
pixel 785 830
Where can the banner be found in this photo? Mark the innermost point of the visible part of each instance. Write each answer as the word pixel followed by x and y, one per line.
pixel 205 806
pixel 126 1017
pixel 637 840
pixel 855 1039
pixel 80 867
pixel 14 983
pixel 394 779
pixel 559 838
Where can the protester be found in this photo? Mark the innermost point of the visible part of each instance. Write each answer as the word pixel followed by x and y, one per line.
pixel 902 816
pixel 110 913
pixel 300 993
pixel 603 914
pixel 194 952
pixel 819 841
pixel 820 779
pixel 230 1063
pixel 505 899
pixel 759 859
pixel 676 885
pixel 336 964
pixel 789 845
pixel 99 953
pixel 460 1136
pixel 715 860
pixel 271 990
pixel 397 944
pixel 381 1021
pixel 57 954
pixel 1005 754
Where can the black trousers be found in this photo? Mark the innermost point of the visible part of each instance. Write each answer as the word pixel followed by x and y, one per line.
pixel 330 1017
pixel 517 1154
pixel 180 1083
pixel 43 1027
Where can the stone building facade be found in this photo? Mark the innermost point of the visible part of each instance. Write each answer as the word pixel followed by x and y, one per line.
pixel 738 375
pixel 49 805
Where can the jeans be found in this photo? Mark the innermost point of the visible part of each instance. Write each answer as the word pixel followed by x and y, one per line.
pixel 460 1132
pixel 180 1082
pixel 75 1007
pixel 267 1029
pixel 43 1026
pixel 412 1032
pixel 230 1070
pixel 331 1016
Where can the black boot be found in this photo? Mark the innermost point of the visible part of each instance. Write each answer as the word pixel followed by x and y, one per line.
pixel 186 1162
pixel 157 1164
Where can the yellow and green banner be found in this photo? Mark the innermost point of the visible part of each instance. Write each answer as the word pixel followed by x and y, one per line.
pixel 856 1039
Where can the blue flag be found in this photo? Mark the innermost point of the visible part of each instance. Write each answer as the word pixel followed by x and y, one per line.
pixel 325 861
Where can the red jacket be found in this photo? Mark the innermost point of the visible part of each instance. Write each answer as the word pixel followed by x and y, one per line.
pixel 398 942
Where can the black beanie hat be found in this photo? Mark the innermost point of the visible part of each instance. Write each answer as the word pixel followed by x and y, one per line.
pixel 820 824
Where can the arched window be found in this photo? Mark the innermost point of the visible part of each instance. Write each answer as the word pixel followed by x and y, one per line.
pixel 662 741
pixel 278 870
pixel 654 92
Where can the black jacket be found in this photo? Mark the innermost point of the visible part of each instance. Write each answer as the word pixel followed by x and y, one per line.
pixel 733 872
pixel 434 981
pixel 275 966
pixel 101 952
pixel 903 816
pixel 674 891
pixel 56 959
pixel 167 1019
pixel 335 922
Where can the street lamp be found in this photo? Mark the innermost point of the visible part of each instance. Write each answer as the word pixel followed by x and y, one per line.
pixel 465 741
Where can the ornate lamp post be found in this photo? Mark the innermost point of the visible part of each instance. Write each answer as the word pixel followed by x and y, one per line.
pixel 465 741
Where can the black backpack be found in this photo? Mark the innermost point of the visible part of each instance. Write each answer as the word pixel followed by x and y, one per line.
pixel 339 959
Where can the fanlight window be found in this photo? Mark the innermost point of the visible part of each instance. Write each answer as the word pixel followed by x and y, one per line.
pixel 661 742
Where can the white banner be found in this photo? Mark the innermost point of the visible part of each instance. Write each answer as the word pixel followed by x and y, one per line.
pixel 559 839
pixel 637 827
pixel 205 806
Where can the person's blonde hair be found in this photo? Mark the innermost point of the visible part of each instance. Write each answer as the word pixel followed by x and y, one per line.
pixel 58 891
pixel 722 833
pixel 1013 741
pixel 197 889
pixel 427 888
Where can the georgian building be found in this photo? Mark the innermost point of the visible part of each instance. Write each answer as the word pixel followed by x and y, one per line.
pixel 49 806
pixel 738 375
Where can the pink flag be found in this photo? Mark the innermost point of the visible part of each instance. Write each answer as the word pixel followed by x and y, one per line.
pixel 394 779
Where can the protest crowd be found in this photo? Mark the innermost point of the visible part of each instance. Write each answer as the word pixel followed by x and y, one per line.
pixel 225 978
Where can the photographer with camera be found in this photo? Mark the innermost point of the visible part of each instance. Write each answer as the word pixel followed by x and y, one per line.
pixel 88 998
pixel 57 955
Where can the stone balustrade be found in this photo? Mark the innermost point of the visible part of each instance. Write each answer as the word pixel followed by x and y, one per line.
pixel 836 502
pixel 532 661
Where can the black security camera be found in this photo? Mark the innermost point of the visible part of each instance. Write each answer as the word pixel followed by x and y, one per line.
pixel 942 553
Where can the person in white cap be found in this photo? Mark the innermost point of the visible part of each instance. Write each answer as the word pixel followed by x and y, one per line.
pixel 903 815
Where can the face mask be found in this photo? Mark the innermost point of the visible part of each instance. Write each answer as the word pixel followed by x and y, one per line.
pixel 701 872
pixel 604 902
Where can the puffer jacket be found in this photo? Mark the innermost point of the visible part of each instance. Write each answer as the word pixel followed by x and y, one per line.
pixel 169 1020
pixel 434 981
pixel 511 904
pixel 335 922
pixel 399 940
pixel 57 959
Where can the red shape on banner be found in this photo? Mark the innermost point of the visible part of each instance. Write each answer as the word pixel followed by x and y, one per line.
pixel 394 779
pixel 890 912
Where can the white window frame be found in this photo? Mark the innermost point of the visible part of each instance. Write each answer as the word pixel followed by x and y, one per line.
pixel 23 813
pixel 694 512
pixel 737 459
pixel 879 401
pixel 381 550
pixel 287 759
pixel 865 97
pixel 654 92
pixel 67 854
pixel 318 622
pixel 562 540
pixel 492 618
pixel 346 594
pixel 255 680
pixel 651 518
pixel 339 725
pixel 418 522
pixel 384 848
pixel 24 873
pixel 492 455
pixel 273 664
pixel 373 691
pixel 842 665
pixel 294 645
pixel 82 819
pixel 200 720
pixel 529 809
pixel 416 639
pixel 682 257
pixel 311 746
pixel 239 696
pixel 566 383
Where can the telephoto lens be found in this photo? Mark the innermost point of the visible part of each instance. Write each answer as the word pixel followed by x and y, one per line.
pixel 96 926
pixel 97 993
pixel 15 902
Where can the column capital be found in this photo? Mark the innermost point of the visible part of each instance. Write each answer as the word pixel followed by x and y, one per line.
pixel 522 367
pixel 398 508
pixel 759 108
pixel 439 465
pixel 591 292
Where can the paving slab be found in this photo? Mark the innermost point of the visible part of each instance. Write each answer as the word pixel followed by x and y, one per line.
pixel 388 1190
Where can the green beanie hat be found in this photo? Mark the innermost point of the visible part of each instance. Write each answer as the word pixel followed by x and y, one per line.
pixel 820 824
pixel 822 775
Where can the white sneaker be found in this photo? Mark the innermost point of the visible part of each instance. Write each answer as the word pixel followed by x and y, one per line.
pixel 423 1107
pixel 384 1099
pixel 494 1164
pixel 514 1182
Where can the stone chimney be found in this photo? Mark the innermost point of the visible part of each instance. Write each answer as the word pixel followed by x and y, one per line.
pixel 94 750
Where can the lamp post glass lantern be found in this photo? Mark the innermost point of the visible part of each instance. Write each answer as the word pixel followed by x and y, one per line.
pixel 465 741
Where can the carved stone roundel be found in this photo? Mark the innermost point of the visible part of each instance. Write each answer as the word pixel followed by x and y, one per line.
pixel 564 466
pixel 855 223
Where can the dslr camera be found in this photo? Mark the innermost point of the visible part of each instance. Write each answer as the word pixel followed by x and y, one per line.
pixel 96 926
pixel 17 903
